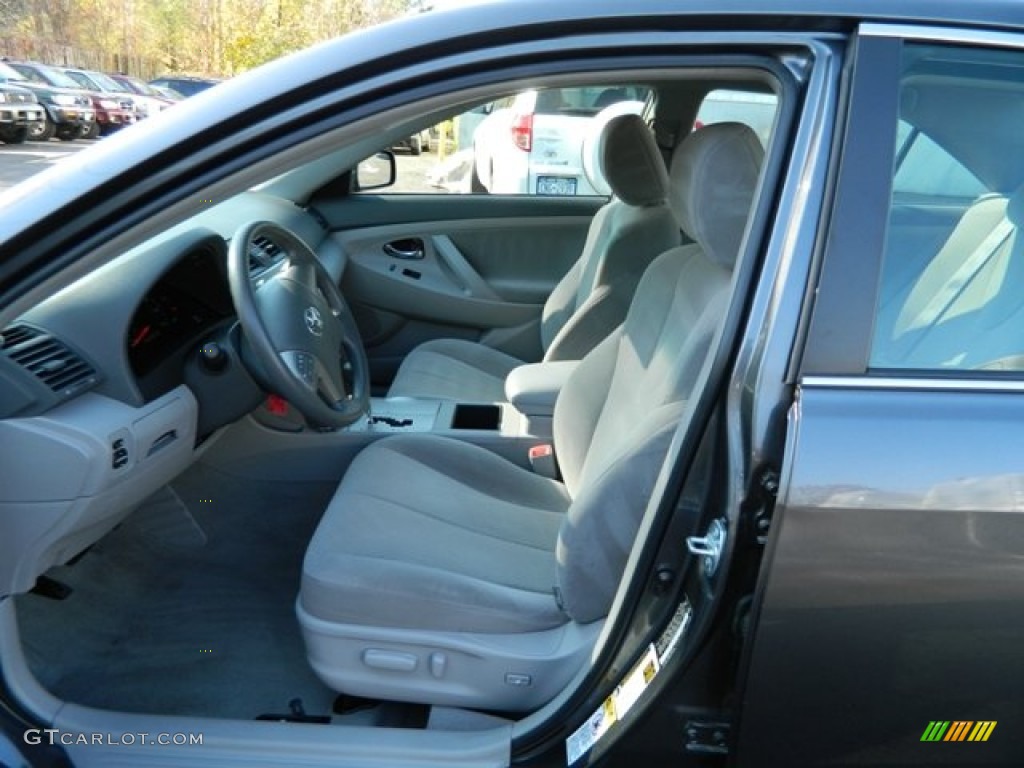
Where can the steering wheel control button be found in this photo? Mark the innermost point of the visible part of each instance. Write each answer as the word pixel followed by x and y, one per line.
pixel 303 365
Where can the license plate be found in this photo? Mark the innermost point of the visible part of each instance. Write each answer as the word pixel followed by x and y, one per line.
pixel 555 185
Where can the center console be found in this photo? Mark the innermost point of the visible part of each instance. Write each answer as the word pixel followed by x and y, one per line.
pixel 409 414
pixel 275 446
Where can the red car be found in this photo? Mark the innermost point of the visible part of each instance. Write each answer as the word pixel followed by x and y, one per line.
pixel 114 108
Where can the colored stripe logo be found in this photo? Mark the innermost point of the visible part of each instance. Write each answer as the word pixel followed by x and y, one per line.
pixel 958 730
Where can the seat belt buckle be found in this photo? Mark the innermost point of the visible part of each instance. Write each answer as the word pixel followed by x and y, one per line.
pixel 542 460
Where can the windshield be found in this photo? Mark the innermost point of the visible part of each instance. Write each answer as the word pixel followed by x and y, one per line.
pixel 10 73
pixel 81 80
pixel 54 77
pixel 105 82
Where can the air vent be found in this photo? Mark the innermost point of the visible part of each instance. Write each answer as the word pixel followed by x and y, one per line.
pixel 263 254
pixel 48 359
pixel 15 335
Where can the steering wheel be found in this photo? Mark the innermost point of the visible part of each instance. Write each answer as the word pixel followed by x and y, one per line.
pixel 298 327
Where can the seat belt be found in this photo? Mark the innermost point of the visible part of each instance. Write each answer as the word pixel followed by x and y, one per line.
pixel 543 461
pixel 967 271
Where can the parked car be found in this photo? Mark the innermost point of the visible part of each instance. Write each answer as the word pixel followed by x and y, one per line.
pixel 186 85
pixel 534 142
pixel 150 99
pixel 69 109
pixel 19 108
pixel 774 518
pixel 115 108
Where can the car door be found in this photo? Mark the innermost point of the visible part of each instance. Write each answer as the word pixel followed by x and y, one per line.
pixel 435 254
pixel 891 610
pixel 467 266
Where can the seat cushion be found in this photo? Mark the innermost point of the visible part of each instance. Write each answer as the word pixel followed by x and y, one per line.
pixel 428 532
pixel 453 369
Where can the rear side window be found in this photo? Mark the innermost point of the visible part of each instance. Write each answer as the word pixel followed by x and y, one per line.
pixel 756 110
pixel 950 295
pixel 923 168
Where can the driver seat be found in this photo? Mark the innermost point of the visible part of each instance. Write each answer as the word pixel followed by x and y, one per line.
pixel 445 574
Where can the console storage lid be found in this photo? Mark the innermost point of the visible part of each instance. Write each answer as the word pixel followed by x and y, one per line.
pixel 533 388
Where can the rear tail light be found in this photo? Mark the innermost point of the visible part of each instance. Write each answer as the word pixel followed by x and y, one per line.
pixel 522 131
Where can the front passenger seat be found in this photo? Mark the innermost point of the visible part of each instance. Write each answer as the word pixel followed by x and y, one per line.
pixel 625 236
pixel 443 573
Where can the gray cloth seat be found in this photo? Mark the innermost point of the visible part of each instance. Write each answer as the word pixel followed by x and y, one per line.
pixel 486 572
pixel 445 574
pixel 961 308
pixel 591 300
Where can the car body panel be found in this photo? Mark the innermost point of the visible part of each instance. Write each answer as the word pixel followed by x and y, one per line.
pixel 19 111
pixel 896 577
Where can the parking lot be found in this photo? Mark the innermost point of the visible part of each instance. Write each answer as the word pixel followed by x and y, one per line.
pixel 20 161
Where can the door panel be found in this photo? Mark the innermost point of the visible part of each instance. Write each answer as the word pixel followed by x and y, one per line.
pixel 478 277
pixel 896 588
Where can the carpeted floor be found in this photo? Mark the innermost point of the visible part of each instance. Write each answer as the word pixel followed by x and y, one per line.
pixel 188 606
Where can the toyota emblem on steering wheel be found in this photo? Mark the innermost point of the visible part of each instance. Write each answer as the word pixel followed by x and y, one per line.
pixel 314 322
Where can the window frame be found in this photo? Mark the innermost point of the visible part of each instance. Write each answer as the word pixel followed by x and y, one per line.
pixel 842 319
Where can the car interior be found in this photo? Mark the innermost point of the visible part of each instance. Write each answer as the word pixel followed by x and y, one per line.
pixel 329 454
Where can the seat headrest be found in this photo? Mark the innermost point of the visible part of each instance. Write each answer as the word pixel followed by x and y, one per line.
pixel 632 163
pixel 713 176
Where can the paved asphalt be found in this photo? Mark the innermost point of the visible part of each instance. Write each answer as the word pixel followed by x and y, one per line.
pixel 19 161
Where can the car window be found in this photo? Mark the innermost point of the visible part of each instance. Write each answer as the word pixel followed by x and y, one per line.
pixel 924 169
pixel 535 142
pixel 949 296
pixel 81 80
pixel 756 110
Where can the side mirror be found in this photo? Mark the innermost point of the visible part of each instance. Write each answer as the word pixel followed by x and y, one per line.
pixel 376 172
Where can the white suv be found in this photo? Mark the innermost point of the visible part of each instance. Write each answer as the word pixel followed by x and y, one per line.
pixel 536 142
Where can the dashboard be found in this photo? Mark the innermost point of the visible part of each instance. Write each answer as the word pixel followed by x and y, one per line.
pixel 134 322
pixel 189 301
pixel 105 380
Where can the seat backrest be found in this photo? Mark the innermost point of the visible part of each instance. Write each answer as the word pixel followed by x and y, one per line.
pixel 625 236
pixel 963 308
pixel 616 416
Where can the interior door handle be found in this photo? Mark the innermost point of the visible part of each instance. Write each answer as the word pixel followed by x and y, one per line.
pixel 407 248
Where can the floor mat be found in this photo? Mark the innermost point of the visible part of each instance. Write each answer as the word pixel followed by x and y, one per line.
pixel 188 606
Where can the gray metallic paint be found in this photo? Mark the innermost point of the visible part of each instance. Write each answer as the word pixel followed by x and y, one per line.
pixel 896 591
